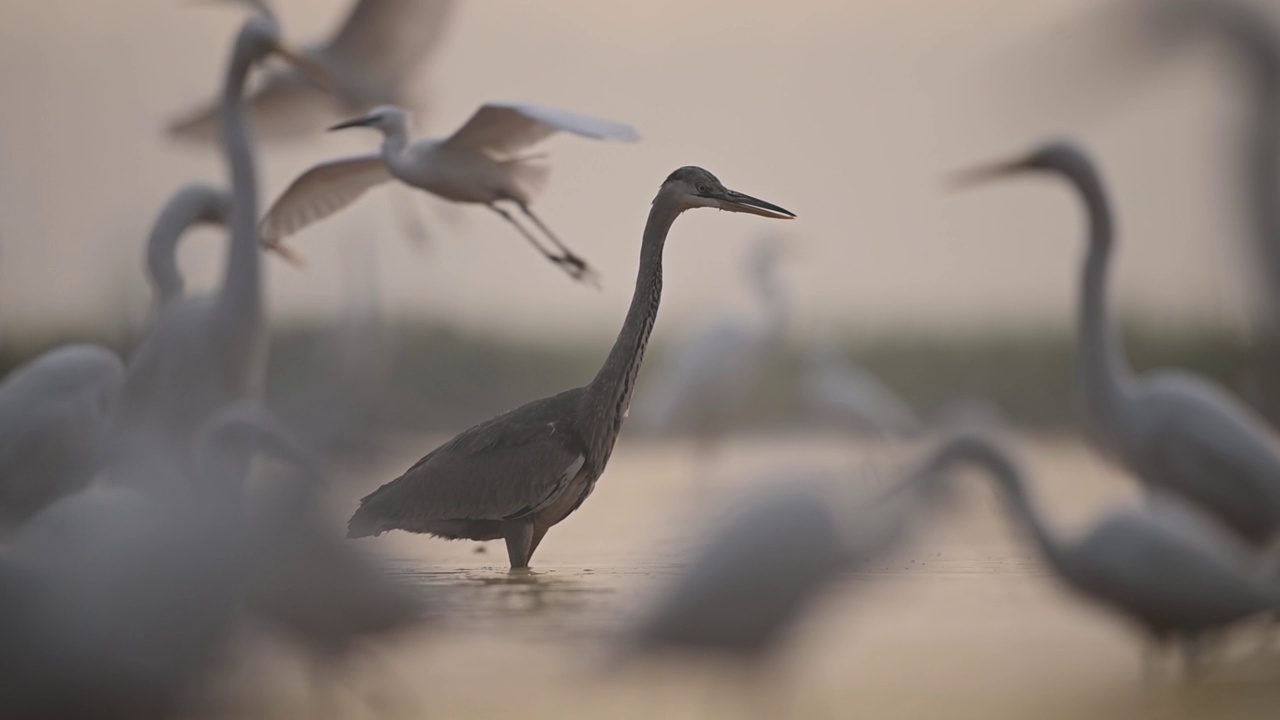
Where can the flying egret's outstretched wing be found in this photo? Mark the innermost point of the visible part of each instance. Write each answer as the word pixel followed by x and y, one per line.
pixel 506 128
pixel 387 40
pixel 320 192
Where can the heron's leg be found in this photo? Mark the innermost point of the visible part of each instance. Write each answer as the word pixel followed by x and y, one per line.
pixel 519 537
pixel 538 534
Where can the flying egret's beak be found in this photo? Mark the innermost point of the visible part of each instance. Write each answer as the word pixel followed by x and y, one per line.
pixel 357 122
pixel 985 173
pixel 314 71
pixel 733 201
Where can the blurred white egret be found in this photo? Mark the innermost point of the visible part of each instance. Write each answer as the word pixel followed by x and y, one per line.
pixel 202 353
pixel 838 388
pixel 1176 573
pixel 1172 429
pixel 372 59
pixel 709 373
pixel 54 413
pixel 120 602
pixel 755 574
pixel 482 162
pixel 192 204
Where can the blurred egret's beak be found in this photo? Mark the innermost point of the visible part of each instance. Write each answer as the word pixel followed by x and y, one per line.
pixel 358 122
pixel 314 71
pixel 733 201
pixel 985 173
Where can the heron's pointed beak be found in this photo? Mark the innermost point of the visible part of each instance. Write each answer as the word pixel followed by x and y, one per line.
pixel 734 201
pixel 314 71
pixel 985 173
pixel 357 122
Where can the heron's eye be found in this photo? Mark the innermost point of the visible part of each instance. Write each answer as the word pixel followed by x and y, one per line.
pixel 702 189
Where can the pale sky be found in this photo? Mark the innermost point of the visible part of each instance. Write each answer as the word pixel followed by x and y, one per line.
pixel 847 112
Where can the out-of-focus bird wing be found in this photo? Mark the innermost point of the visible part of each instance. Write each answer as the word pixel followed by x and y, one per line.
pixel 320 192
pixel 387 40
pixel 502 129
pixel 283 107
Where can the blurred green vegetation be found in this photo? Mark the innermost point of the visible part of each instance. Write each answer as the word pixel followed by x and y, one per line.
pixel 437 377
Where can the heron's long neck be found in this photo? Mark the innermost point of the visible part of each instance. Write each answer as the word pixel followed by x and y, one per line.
pixel 609 394
pixel 241 295
pixel 192 204
pixel 1101 369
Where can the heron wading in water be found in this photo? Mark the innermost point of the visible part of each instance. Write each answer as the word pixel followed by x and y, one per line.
pixel 482 162
pixel 515 476
pixel 1172 429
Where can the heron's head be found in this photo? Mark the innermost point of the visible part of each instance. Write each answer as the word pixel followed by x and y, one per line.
pixel 1061 156
pixel 384 117
pixel 693 187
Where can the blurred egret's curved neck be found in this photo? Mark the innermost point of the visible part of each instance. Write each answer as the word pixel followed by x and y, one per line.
pixel 240 299
pixel 190 205
pixel 1012 485
pixel 609 394
pixel 1101 370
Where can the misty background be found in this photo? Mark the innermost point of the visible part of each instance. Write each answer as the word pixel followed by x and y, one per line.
pixel 850 113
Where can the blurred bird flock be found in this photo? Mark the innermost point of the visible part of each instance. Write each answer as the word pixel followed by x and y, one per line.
pixel 173 493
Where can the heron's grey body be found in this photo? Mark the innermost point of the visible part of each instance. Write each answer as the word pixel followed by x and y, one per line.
pixel 193 204
pixel 1176 575
pixel 483 162
pixel 54 415
pixel 1172 429
pixel 371 60
pixel 520 473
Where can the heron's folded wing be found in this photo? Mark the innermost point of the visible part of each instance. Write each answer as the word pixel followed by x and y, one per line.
pixel 487 473
pixel 506 128
pixel 386 40
pixel 320 192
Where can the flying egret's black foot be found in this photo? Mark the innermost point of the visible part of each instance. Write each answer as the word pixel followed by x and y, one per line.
pixel 578 269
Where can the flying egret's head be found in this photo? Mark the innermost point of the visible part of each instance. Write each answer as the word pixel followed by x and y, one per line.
pixel 384 118
pixel 694 187
pixel 1057 156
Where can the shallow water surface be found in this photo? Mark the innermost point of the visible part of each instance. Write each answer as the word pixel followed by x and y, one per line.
pixel 963 623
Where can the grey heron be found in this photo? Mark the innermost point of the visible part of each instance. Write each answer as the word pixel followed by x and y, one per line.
pixel 1175 573
pixel 484 162
pixel 708 375
pixel 1172 429
pixel 54 415
pixel 518 474
pixel 371 60
pixel 201 353
pixel 193 204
